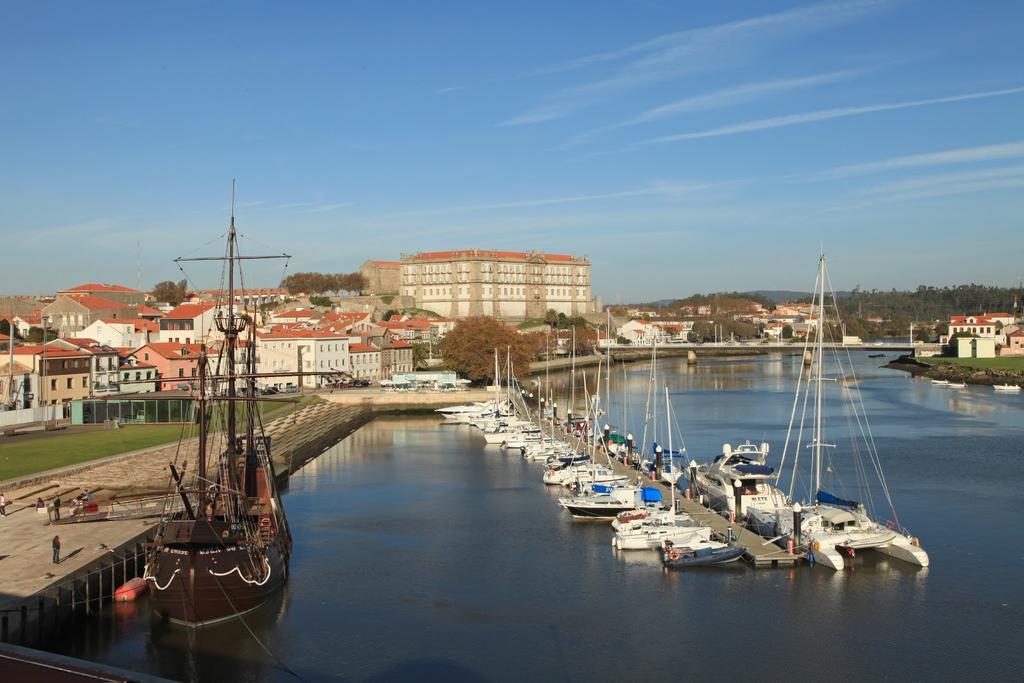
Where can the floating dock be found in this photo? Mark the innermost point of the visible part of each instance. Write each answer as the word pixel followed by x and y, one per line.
pixel 761 553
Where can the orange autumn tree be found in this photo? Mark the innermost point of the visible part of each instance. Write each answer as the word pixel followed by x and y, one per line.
pixel 469 348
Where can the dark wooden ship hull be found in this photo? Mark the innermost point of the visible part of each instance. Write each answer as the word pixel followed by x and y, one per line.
pixel 196 587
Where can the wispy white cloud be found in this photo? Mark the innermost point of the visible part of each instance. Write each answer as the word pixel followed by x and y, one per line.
pixel 723 97
pixel 928 182
pixel 291 205
pixel 663 189
pixel 687 52
pixel 323 208
pixel 820 115
pixel 84 228
pixel 963 155
pixel 451 88
pixel 933 186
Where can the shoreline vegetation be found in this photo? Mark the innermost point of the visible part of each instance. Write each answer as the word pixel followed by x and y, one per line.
pixel 981 371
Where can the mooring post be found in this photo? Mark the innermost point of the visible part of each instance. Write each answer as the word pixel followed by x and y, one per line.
pixel 797 522
pixel 42 617
pixel 24 624
pixel 738 489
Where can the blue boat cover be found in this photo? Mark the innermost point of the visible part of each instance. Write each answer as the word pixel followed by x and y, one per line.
pixel 755 469
pixel 650 495
pixel 601 488
pixel 829 499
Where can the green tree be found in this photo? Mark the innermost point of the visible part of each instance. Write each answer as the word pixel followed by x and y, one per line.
pixel 469 348
pixel 317 300
pixel 171 292
pixel 35 335
pixel 420 354
pixel 787 332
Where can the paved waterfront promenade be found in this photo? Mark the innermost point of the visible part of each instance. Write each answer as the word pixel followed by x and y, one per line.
pixel 25 535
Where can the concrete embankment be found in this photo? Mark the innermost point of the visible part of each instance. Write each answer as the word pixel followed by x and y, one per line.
pixel 953 372
pixel 663 352
pixel 39 598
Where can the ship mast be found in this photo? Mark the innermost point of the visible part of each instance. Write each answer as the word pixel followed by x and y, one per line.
pixel 231 326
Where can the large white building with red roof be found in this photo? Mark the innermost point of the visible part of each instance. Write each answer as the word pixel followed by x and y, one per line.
pixel 317 352
pixel 72 313
pixel 511 285
pixel 119 293
pixel 190 324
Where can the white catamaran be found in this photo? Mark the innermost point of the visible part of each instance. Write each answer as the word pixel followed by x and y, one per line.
pixel 833 528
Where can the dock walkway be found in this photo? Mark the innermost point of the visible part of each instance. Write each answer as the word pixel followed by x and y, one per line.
pixel 761 553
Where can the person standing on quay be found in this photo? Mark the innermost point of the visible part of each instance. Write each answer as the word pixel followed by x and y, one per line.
pixel 56 507
pixel 3 505
pixel 56 549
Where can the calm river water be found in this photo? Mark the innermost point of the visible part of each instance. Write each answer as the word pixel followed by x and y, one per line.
pixel 421 553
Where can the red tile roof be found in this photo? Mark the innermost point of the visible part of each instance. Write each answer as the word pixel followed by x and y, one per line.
pixel 295 314
pixel 485 253
pixel 96 302
pixel 344 317
pixel 99 287
pixel 146 310
pixel 51 352
pixel 399 344
pixel 362 348
pixel 173 349
pixel 139 324
pixel 302 334
pixel 189 311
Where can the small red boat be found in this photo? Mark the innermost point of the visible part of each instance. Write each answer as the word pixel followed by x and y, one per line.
pixel 130 590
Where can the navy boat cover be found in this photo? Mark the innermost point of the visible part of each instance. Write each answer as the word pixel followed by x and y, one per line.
pixel 755 469
pixel 829 499
pixel 650 495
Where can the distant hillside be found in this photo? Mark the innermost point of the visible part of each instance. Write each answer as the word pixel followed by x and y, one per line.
pixel 778 295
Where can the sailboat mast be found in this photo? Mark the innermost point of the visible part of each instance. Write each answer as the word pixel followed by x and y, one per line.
pixel 818 352
pixel 672 476
pixel 230 333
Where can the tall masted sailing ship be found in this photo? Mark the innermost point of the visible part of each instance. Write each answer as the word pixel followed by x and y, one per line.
pixel 222 545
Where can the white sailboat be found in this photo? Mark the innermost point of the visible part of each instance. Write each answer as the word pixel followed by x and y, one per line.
pixel 833 528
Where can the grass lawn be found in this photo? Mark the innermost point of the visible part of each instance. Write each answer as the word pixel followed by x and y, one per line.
pixel 24 455
pixel 1004 363
pixel 37 452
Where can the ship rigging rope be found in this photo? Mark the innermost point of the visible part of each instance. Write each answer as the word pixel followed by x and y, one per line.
pixel 277 660
pixel 865 427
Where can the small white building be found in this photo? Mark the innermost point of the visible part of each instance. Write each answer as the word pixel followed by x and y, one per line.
pixel 124 334
pixel 365 361
pixel 976 347
pixel 190 324
pixel 320 353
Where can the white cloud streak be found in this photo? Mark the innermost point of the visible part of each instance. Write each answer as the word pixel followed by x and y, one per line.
pixel 668 190
pixel 820 115
pixel 687 52
pixel 723 97
pixel 963 155
pixel 323 208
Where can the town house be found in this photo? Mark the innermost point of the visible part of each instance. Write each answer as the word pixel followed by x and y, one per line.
pixel 176 364
pixel 189 324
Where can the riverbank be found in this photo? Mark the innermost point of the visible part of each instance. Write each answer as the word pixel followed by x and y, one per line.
pixel 951 370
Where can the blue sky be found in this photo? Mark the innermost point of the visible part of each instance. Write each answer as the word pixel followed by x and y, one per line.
pixel 683 146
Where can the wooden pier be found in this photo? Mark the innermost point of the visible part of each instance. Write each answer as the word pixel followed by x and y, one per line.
pixel 761 553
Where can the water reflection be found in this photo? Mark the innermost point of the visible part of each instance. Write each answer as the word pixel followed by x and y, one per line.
pixel 422 553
